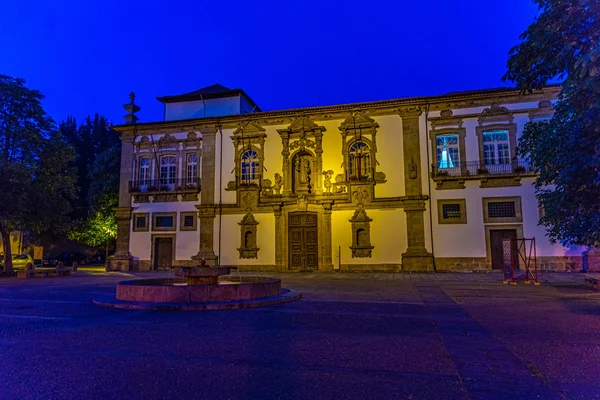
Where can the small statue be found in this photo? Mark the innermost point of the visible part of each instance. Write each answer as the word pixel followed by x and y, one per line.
pixel 327 184
pixel 278 183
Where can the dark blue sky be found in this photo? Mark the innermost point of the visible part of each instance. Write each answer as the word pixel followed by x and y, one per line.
pixel 86 56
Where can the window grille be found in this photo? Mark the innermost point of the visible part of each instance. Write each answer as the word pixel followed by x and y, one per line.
pixel 451 211
pixel 502 209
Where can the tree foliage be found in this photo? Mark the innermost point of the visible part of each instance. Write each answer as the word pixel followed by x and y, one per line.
pixel 103 196
pixel 563 43
pixel 36 181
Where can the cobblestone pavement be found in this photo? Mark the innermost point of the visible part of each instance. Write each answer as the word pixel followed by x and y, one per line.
pixel 352 336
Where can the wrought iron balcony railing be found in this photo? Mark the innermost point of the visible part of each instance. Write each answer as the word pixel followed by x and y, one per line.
pixel 478 169
pixel 165 185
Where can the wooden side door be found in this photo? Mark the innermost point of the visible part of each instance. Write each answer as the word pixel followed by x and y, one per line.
pixel 163 253
pixel 496 237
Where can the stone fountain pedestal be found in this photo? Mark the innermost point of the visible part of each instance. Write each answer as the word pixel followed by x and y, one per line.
pixel 198 288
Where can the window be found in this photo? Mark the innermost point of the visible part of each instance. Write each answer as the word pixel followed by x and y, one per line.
pixel 140 222
pixel 496 147
pixel 502 209
pixel 192 169
pixel 359 160
pixel 447 149
pixel 249 164
pixel 163 221
pixel 452 211
pixel 168 168
pixel 144 171
pixel 188 221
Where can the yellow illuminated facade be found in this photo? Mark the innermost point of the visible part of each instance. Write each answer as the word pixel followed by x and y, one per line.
pixel 416 184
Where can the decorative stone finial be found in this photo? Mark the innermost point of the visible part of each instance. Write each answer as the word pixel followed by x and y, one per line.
pixel 131 108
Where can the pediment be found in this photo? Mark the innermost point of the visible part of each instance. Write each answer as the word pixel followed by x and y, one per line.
pixel 249 129
pixel 304 124
pixel 358 120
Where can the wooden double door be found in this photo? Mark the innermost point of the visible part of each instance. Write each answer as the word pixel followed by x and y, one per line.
pixel 303 242
pixel 163 253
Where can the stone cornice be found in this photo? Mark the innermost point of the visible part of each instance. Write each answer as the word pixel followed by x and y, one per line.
pixel 324 113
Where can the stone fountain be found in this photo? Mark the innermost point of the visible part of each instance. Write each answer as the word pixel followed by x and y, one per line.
pixel 199 287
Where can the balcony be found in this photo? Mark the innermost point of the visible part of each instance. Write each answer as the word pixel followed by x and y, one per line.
pixel 491 175
pixel 161 186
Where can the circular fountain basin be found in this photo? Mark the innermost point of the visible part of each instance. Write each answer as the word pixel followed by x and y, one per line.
pixel 181 294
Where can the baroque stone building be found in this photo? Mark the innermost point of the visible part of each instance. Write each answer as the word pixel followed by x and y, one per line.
pixel 413 184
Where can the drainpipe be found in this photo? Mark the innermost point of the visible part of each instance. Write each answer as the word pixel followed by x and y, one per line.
pixel 220 187
pixel 429 184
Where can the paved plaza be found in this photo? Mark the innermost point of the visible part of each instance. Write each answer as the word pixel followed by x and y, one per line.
pixel 351 336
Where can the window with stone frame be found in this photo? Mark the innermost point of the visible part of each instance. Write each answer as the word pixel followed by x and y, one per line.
pixel 496 147
pixel 447 151
pixel 140 222
pixel 359 161
pixel 452 211
pixel 191 169
pixel 502 209
pixel 168 171
pixel 144 171
pixel 249 167
pixel 188 221
pixel 164 221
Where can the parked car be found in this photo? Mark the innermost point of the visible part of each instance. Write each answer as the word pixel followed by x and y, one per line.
pixel 69 258
pixel 98 258
pixel 20 261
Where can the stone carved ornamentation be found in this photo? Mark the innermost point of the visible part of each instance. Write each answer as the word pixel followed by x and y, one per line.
pixel 412 169
pixel 361 195
pixel 302 202
pixel 248 248
pixel 340 185
pixel 249 201
pixel 361 234
pixel 327 183
pixel 278 183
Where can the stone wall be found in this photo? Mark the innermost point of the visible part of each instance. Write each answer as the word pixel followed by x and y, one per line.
pixel 462 264
pixel 560 264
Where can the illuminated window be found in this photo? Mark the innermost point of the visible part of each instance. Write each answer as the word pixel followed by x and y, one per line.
pixel 192 169
pixel 447 150
pixel 144 171
pixel 452 211
pixel 359 160
pixel 496 149
pixel 249 164
pixel 168 168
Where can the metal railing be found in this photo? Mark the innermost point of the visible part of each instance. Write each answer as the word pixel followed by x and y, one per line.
pixel 478 168
pixel 165 185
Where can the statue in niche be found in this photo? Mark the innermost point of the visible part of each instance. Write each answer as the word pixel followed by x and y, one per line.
pixel 327 183
pixel 278 183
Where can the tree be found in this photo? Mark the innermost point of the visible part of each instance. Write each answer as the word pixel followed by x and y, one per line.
pixel 103 196
pixel 90 139
pixel 563 44
pixel 36 181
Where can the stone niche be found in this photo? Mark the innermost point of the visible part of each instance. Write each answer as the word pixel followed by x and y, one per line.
pixel 361 234
pixel 248 248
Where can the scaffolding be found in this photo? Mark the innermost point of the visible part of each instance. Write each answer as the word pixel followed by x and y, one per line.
pixel 520 261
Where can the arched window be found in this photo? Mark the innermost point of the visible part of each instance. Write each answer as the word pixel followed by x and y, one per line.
pixel 249 166
pixel 168 168
pixel 144 171
pixel 192 169
pixel 359 161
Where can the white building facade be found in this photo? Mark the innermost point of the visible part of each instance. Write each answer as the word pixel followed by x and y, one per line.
pixel 415 184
